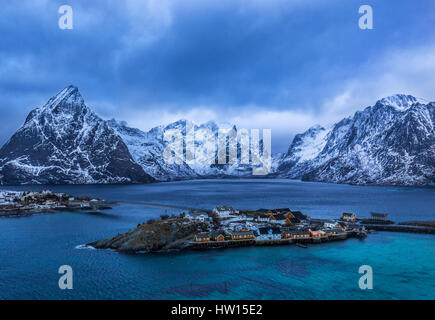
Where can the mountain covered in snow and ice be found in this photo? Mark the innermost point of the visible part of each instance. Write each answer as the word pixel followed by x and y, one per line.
pixel 66 142
pixel 147 150
pixel 390 143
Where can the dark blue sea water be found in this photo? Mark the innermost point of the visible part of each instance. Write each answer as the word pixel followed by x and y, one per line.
pixel 32 248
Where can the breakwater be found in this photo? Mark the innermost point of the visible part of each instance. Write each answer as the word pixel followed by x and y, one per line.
pixel 400 228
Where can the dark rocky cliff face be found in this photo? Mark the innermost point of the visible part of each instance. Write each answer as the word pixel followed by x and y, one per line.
pixel 66 142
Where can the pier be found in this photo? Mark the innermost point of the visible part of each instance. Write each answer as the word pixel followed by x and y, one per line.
pixel 221 244
pixel 400 228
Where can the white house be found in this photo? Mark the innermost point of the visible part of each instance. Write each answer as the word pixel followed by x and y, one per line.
pixel 224 211
pixel 200 217
pixel 348 217
pixel 264 233
pixel 262 218
pixel 331 225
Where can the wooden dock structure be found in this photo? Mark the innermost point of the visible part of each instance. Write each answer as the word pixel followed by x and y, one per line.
pixel 221 244
pixel 274 242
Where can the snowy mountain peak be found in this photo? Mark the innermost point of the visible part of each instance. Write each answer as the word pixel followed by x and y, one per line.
pixel 70 95
pixel 61 110
pixel 314 129
pixel 66 142
pixel 209 125
pixel 305 146
pixel 391 143
pixel 147 149
pixel 180 124
pixel 115 123
pixel 401 102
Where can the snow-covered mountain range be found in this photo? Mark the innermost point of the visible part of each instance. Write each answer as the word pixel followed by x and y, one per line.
pixel 66 142
pixel 392 142
pixel 147 150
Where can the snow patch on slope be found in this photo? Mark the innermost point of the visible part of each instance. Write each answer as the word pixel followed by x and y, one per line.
pixel 401 102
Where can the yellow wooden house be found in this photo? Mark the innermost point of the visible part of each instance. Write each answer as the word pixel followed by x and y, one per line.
pixel 201 237
pixel 348 217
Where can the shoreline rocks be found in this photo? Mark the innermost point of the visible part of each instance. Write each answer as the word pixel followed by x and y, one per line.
pixel 155 236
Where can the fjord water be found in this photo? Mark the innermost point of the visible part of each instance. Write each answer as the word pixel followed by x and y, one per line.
pixel 32 248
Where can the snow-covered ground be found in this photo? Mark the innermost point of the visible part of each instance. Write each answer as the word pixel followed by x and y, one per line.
pixel 7 196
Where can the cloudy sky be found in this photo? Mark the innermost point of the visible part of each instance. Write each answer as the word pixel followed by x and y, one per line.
pixel 279 64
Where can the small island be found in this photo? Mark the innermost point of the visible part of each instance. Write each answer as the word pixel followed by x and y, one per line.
pixel 225 227
pixel 24 203
pixel 221 227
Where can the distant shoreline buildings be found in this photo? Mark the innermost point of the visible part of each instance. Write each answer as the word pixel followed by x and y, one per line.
pixel 16 203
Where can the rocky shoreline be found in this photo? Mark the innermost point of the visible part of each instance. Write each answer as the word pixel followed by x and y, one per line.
pixel 153 236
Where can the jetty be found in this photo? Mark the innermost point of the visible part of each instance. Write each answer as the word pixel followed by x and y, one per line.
pixel 401 228
pixel 380 222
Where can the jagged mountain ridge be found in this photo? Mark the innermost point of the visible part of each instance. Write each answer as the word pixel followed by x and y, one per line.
pixel 147 150
pixel 65 142
pixel 390 143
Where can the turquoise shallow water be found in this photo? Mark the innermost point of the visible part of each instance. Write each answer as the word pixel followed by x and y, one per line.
pixel 33 248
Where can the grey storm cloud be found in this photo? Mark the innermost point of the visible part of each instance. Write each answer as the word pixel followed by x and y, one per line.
pixel 261 63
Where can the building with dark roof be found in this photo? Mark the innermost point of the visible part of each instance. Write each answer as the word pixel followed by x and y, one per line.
pixel 334 231
pixel 348 217
pixel 265 233
pixel 217 236
pixel 299 215
pixel 201 237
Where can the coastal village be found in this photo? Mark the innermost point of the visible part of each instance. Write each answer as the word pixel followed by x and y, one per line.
pixel 229 227
pixel 19 203
pixel 220 227
pixel 226 227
